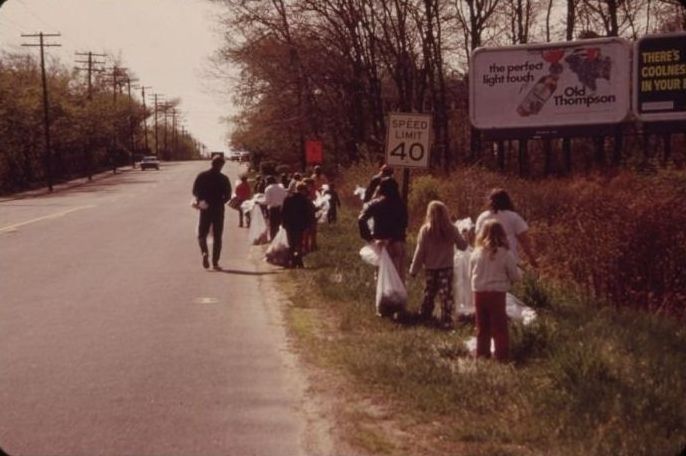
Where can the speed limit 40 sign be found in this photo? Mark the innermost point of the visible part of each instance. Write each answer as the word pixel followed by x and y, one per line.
pixel 408 140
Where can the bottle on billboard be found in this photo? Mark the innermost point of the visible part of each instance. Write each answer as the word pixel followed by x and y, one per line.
pixel 538 96
pixel 544 88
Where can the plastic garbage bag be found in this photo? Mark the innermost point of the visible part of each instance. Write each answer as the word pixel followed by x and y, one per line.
pixel 465 224
pixel 518 311
pixel 391 295
pixel 462 285
pixel 359 192
pixel 322 203
pixel 278 251
pixel 370 254
pixel 470 345
pixel 257 232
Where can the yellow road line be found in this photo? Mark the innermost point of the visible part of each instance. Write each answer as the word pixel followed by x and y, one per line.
pixel 45 217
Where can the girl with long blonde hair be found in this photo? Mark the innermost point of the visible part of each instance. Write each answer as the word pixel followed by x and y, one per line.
pixel 493 269
pixel 434 251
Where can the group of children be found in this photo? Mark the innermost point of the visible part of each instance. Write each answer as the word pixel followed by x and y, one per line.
pixel 492 265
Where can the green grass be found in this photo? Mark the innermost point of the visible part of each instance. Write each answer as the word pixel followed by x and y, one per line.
pixel 585 379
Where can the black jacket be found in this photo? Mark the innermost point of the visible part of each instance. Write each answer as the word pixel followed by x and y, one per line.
pixel 390 219
pixel 212 186
pixel 297 212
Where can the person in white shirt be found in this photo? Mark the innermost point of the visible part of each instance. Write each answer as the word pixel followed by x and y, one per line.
pixel 493 269
pixel 501 209
pixel 274 195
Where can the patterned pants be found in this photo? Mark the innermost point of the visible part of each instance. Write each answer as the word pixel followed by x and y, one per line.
pixel 439 281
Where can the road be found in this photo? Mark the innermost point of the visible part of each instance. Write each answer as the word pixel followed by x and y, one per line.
pixel 115 341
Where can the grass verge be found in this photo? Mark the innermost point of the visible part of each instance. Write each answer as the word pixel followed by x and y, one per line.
pixel 584 379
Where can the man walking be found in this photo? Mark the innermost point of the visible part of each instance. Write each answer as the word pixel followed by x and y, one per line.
pixel 212 190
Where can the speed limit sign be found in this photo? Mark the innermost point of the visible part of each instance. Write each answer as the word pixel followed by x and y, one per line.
pixel 408 140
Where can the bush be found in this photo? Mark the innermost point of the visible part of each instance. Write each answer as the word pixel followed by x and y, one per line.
pixel 620 239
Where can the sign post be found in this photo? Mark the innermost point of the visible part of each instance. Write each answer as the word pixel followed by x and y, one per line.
pixel 408 144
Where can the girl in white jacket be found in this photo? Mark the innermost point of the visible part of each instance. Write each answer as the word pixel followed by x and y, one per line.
pixel 493 269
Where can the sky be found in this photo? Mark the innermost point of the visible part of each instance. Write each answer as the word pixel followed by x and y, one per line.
pixel 165 43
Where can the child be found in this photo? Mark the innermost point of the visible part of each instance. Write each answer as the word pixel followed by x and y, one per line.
pixel 493 268
pixel 435 252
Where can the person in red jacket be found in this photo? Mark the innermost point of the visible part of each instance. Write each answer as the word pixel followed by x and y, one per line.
pixel 243 193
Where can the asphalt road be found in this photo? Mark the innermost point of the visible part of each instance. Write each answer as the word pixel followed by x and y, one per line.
pixel 115 341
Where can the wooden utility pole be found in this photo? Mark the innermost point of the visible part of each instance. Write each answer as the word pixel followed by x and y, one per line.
pixel 145 119
pixel 90 68
pixel 157 149
pixel 174 142
pixel 165 108
pixel 46 112
pixel 130 116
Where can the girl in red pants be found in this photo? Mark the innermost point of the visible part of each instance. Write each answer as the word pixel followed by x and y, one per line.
pixel 493 269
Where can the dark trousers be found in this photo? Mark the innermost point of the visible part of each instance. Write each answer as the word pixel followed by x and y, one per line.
pixel 274 221
pixel 491 322
pixel 214 217
pixel 295 241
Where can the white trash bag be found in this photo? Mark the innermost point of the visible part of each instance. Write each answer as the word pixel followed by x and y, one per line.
pixel 370 254
pixel 278 251
pixel 257 232
pixel 391 294
pixel 359 192
pixel 322 203
pixel 518 311
pixel 462 285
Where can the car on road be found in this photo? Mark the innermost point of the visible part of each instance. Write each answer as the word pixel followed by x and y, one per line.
pixel 150 161
pixel 239 156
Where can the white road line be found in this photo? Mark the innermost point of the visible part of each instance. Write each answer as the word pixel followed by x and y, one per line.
pixel 10 228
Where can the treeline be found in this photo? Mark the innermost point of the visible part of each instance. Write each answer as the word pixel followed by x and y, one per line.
pixel 333 69
pixel 92 127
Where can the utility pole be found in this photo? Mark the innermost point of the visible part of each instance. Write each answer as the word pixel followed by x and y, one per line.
pixel 165 108
pixel 157 149
pixel 130 116
pixel 46 114
pixel 117 71
pixel 90 62
pixel 145 119
pixel 90 69
pixel 174 136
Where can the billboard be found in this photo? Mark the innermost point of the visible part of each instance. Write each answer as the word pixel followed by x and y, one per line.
pixel 564 84
pixel 408 140
pixel 660 82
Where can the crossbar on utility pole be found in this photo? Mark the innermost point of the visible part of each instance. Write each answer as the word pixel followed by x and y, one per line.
pixel 46 112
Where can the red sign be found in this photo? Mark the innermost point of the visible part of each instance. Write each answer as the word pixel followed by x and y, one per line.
pixel 314 152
